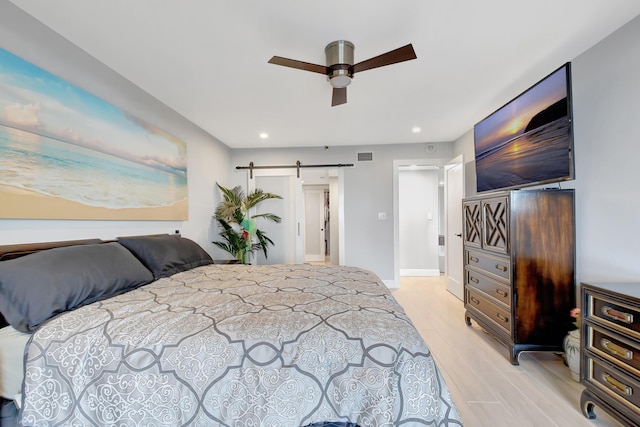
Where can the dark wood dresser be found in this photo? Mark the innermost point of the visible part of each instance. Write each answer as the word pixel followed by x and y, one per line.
pixel 610 350
pixel 519 262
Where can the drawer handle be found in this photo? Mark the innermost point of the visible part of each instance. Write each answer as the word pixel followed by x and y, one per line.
pixel 501 293
pixel 622 388
pixel 473 279
pixel 501 317
pixel 474 300
pixel 501 267
pixel 616 349
pixel 617 315
pixel 473 259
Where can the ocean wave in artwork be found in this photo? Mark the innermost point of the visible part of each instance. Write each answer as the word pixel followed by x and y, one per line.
pixel 61 169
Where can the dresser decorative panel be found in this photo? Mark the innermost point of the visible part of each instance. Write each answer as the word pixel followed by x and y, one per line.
pixel 519 267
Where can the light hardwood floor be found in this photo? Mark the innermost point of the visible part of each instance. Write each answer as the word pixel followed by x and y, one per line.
pixel 486 388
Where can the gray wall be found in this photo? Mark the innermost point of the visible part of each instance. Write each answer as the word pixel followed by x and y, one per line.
pixel 606 109
pixel 208 159
pixel 367 191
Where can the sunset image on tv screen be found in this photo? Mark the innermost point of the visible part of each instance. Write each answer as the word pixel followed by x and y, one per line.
pixel 527 141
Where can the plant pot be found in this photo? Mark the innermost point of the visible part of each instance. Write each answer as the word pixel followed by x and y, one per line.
pixel 571 347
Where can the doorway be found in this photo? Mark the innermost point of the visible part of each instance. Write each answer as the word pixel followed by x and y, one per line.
pixel 289 247
pixel 446 256
pixel 419 220
pixel 328 214
pixel 316 223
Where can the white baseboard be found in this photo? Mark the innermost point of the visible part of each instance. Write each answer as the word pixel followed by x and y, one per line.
pixel 419 272
pixel 391 284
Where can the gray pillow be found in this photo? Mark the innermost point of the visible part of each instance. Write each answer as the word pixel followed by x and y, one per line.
pixel 167 254
pixel 36 287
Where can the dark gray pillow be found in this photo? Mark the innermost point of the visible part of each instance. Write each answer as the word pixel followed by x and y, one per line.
pixel 167 254
pixel 36 287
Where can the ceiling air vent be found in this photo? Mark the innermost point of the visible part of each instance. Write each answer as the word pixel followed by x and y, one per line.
pixel 365 157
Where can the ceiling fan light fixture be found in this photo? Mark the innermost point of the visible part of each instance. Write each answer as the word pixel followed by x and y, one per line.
pixel 339 55
pixel 340 80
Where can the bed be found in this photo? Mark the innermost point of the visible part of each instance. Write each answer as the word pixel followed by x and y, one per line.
pixel 148 330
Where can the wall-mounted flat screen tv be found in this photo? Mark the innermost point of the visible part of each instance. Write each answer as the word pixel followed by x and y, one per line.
pixel 529 141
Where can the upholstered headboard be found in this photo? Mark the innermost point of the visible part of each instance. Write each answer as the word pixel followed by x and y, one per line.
pixel 15 251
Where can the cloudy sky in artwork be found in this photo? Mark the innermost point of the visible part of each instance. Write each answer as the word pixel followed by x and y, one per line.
pixel 37 101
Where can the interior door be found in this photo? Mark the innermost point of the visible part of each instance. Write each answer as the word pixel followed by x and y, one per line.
pixel 287 236
pixel 454 193
pixel 314 233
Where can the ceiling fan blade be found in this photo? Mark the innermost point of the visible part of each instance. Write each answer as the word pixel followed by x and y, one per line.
pixel 293 63
pixel 404 53
pixel 339 96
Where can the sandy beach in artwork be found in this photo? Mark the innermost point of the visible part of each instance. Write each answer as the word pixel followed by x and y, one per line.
pixel 18 203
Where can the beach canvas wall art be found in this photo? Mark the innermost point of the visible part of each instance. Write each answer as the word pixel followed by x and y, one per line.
pixel 67 154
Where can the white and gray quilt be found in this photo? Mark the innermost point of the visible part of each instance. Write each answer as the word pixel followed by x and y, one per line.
pixel 235 345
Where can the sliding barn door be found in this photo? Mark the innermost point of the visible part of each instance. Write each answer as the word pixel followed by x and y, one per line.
pixel 287 235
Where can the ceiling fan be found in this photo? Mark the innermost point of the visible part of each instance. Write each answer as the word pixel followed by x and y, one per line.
pixel 340 67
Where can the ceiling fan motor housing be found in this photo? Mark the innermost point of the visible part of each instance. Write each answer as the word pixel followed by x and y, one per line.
pixel 339 56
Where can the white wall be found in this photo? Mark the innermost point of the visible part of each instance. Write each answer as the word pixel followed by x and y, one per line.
pixel 606 112
pixel 368 190
pixel 208 159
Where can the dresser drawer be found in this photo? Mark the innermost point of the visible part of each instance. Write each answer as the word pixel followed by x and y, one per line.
pixel 495 313
pixel 616 383
pixel 616 348
pixel 492 288
pixel 491 264
pixel 622 317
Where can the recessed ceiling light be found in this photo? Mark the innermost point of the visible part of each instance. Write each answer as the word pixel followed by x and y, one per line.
pixel 264 135
pixel 416 129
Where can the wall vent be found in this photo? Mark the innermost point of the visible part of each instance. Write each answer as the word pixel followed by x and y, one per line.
pixel 365 157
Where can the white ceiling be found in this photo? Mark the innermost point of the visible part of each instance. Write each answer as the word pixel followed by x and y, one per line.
pixel 207 60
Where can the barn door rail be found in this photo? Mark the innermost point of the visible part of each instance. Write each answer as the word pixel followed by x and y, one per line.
pixel 297 166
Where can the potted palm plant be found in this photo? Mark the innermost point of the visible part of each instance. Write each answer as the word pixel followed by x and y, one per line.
pixel 238 230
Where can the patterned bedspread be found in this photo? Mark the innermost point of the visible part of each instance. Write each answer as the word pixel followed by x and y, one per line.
pixel 237 345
